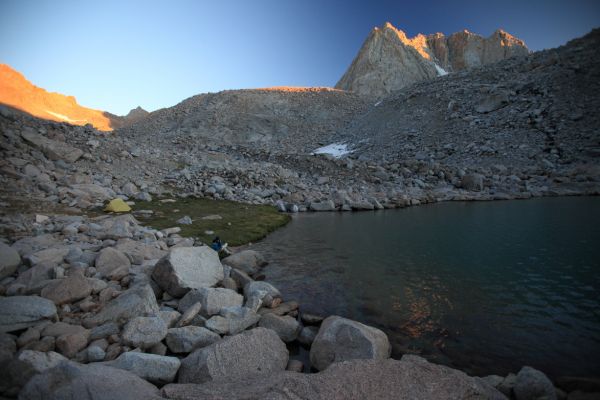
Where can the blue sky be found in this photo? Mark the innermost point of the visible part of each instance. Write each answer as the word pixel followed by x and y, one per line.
pixel 116 55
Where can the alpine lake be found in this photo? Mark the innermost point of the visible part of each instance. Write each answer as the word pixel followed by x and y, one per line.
pixel 486 287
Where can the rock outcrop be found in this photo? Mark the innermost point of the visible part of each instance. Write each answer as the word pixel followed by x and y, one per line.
pixel 411 378
pixel 389 60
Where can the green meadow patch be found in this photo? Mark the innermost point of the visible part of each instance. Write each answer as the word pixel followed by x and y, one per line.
pixel 235 223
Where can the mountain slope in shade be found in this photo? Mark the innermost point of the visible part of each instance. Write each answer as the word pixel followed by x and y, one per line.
pixel 16 91
pixel 389 60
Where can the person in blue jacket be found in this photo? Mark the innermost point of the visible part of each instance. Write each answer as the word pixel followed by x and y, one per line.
pixel 216 244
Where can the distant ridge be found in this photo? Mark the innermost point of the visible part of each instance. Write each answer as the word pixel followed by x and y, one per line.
pixel 16 91
pixel 389 60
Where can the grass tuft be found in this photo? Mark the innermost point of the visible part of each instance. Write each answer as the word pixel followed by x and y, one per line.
pixel 240 223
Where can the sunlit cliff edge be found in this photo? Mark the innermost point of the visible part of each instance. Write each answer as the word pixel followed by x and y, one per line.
pixel 16 91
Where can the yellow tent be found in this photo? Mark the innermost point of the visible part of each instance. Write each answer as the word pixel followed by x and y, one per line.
pixel 117 205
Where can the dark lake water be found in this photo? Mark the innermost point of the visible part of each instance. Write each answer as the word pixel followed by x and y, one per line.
pixel 486 287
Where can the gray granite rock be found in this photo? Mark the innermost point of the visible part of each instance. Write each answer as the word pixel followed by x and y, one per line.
pixel 29 363
pixel 286 327
pixel 52 149
pixel 341 339
pixel 88 382
pixel 189 338
pixel 68 290
pixel 144 332
pixel 532 384
pixel 186 268
pixel 257 351
pixel 20 312
pixel 232 320
pixel 112 263
pixel 9 260
pixel 137 301
pixel 307 335
pixel 215 299
pixel 411 378
pixel 249 261
pixel 151 367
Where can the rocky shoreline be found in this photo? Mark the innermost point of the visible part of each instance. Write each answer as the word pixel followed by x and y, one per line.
pixel 106 306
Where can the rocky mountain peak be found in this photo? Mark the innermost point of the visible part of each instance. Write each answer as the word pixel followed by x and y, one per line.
pixel 390 60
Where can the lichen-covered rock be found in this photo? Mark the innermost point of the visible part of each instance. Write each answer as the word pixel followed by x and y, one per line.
pixel 186 268
pixel 257 351
pixel 341 339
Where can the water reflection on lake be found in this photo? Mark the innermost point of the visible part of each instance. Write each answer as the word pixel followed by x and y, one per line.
pixel 486 287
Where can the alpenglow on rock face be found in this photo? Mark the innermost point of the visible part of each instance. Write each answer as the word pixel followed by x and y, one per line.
pixel 389 60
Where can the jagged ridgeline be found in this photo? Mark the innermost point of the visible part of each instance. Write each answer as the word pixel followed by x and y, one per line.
pixel 389 60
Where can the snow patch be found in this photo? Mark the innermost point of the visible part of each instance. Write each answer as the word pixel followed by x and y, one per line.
pixel 64 117
pixel 441 71
pixel 336 150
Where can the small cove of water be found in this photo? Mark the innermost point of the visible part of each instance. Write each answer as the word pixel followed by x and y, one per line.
pixel 486 287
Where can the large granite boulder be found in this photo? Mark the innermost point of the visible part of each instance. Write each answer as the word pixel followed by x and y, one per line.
pixel 73 288
pixel 88 382
pixel 9 260
pixel 411 378
pixel 151 367
pixel 341 339
pixel 189 338
pixel 257 351
pixel 532 384
pixel 144 332
pixel 137 301
pixel 249 261
pixel 20 312
pixel 186 268
pixel 112 263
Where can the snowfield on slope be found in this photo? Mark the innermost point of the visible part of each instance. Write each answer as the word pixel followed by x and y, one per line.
pixel 336 150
